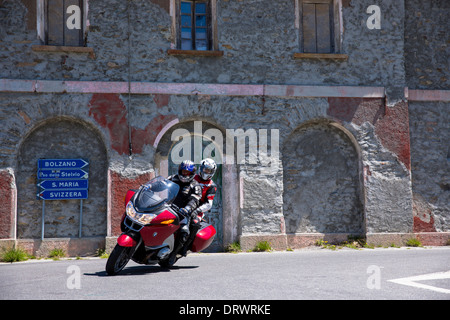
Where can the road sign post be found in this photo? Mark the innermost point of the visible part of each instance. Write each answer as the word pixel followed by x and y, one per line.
pixel 62 179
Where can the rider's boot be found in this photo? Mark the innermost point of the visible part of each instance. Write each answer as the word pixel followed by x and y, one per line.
pixel 184 236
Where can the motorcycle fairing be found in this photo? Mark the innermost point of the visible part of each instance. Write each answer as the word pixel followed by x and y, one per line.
pixel 155 235
pixel 125 240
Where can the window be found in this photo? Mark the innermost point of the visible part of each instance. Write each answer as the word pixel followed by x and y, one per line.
pixel 195 25
pixel 61 22
pixel 319 24
pixel 317 27
pixel 194 28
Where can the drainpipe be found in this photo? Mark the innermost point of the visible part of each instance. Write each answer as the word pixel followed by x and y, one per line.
pixel 130 144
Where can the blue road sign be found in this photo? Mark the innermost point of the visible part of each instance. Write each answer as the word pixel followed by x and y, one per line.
pixel 63 184
pixel 62 163
pixel 62 194
pixel 60 179
pixel 62 174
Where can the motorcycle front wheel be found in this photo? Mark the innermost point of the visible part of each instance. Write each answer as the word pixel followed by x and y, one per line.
pixel 118 259
pixel 167 263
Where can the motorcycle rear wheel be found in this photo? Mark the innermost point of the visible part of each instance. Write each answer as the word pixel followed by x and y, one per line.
pixel 118 259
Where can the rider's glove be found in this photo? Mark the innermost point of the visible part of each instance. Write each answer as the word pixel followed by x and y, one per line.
pixel 185 211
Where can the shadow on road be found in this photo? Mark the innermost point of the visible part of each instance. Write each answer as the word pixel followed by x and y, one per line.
pixel 140 270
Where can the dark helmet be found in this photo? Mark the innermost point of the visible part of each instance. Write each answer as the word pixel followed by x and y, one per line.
pixel 188 168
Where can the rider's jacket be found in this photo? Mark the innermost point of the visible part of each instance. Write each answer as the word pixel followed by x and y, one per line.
pixel 209 189
pixel 189 195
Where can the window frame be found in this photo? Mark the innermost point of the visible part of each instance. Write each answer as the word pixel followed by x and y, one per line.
pixel 175 46
pixel 336 29
pixel 43 23
pixel 194 28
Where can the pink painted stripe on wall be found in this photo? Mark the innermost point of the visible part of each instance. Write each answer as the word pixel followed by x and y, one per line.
pixel 428 95
pixel 56 86
pixel 48 86
pixel 324 91
pixel 196 88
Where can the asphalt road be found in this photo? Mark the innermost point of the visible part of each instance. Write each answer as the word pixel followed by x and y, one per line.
pixel 301 274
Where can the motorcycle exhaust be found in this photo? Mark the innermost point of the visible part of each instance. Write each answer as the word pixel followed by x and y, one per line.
pixel 163 253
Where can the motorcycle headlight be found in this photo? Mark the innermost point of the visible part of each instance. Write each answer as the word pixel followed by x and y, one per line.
pixel 130 210
pixel 142 218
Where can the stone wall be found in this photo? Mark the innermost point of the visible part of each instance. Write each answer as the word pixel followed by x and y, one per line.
pixel 8 194
pixel 321 178
pixel 370 147
pixel 258 39
pixel 356 157
pixel 61 138
pixel 427 45
pixel 430 156
pixel 427 52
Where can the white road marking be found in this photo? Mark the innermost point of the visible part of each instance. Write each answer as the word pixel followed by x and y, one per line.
pixel 411 281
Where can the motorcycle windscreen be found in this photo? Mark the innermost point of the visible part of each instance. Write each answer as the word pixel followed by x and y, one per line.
pixel 154 194
pixel 203 238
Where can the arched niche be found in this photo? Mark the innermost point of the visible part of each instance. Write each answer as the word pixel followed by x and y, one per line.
pixel 61 138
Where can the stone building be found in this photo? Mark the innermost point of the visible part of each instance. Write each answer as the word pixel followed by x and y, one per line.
pixel 328 118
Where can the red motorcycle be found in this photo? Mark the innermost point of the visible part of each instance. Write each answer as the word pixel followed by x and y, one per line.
pixel 151 228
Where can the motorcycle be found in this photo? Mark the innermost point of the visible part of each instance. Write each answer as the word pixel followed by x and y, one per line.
pixel 151 228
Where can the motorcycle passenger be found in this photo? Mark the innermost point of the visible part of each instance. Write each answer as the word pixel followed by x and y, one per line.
pixel 187 200
pixel 207 170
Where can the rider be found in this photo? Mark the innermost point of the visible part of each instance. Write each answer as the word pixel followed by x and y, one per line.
pixel 188 198
pixel 207 170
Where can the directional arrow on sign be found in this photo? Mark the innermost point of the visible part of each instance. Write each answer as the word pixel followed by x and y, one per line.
pixel 62 174
pixel 63 184
pixel 62 163
pixel 62 194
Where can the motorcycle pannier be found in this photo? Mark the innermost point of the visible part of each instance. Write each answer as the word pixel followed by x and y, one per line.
pixel 205 235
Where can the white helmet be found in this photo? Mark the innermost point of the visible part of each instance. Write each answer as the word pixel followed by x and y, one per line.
pixel 207 168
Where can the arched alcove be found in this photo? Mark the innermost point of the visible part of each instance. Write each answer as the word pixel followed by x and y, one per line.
pixel 322 185
pixel 61 138
pixel 196 140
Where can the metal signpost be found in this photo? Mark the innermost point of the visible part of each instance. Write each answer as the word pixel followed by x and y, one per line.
pixel 62 179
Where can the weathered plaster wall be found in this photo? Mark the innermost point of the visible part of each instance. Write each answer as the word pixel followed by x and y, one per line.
pixel 427 47
pixel 66 139
pixel 372 186
pixel 258 38
pixel 8 208
pixel 383 159
pixel 427 64
pixel 66 126
pixel 430 156
pixel 382 135
pixel 321 179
